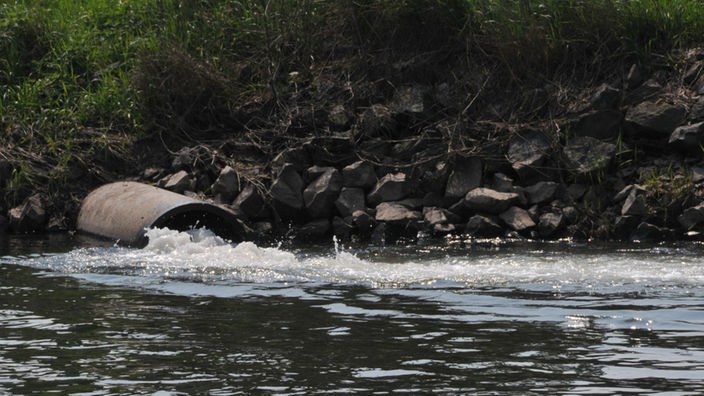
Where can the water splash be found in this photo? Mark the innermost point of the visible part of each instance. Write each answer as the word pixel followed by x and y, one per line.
pixel 201 256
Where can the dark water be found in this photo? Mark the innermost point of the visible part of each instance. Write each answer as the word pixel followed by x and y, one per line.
pixel 202 317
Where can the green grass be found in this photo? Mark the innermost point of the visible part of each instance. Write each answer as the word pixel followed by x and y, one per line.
pixel 126 70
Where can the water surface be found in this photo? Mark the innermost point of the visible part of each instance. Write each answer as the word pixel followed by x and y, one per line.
pixel 191 314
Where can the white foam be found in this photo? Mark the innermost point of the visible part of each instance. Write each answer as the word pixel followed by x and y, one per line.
pixel 202 256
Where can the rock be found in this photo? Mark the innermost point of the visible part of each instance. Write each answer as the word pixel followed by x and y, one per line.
pixel 634 76
pixel 395 214
pixel 623 194
pixel 316 229
pixel 486 200
pixel 349 201
pixel 600 124
pixel 315 172
pixel 624 226
pixel 606 97
pixel 648 90
pixel 251 203
pixel 262 229
pixel 410 99
pixel 320 195
pixel 434 216
pixel 334 149
pixel 502 183
pixel 656 117
pixel 697 174
pixel 391 187
pixel 466 175
pixel 342 228
pixel 576 191
pixel 359 174
pixel 364 222
pixel 287 193
pixel 646 232
pixel 527 151
pixel 688 138
pixel 483 227
pixel 377 120
pixel 517 218
pixel 586 155
pixel 297 157
pixel 571 214
pixel 634 204
pixel 443 229
pixel 339 117
pixel 227 185
pixel 550 223
pixel 433 177
pixel 179 182
pixel 691 217
pixel 541 192
pixel 29 217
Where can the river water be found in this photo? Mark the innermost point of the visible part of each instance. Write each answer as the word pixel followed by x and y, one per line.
pixel 191 314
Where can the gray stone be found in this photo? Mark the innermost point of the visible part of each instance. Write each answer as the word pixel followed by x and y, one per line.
pixel 179 182
pixel 634 204
pixel 624 226
pixel 486 200
pixel 339 117
pixel 315 172
pixel 576 191
pixel 410 99
pixel 550 223
pixel 320 195
pixel 606 97
pixel 502 183
pixel 623 194
pixel 646 232
pixel 227 185
pixel 541 192
pixel 697 174
pixel 466 175
pixel 600 124
pixel 29 217
pixel 657 117
pixel 287 193
pixel 395 214
pixel 688 138
pixel 359 174
pixel 483 227
pixel 391 187
pixel 297 157
pixel 434 216
pixel 342 228
pixel 317 228
pixel 692 217
pixel 364 222
pixel 586 155
pixel 251 203
pixel 517 218
pixel 571 214
pixel 443 229
pixel 527 151
pixel 648 90
pixel 349 201
pixel 634 76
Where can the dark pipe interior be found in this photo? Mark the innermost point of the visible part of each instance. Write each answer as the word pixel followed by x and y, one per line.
pixel 193 219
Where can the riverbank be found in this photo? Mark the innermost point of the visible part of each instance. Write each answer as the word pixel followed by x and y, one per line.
pixel 351 120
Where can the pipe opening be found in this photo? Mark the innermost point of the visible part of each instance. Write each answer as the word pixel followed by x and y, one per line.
pixel 192 219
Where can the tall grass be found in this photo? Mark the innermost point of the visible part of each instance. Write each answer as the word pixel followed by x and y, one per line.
pixel 178 68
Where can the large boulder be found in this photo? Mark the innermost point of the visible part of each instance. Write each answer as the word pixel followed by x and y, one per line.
pixel 486 200
pixel 349 201
pixel 586 155
pixel 178 182
pixel 550 223
pixel 656 116
pixel 287 193
pixel 251 203
pixel 606 97
pixel 688 138
pixel 392 187
pixel 517 218
pixel 320 195
pixel 692 217
pixel 396 214
pixel 480 226
pixel 527 151
pixel 541 192
pixel 466 175
pixel 227 185
pixel 600 124
pixel 359 174
pixel 29 217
